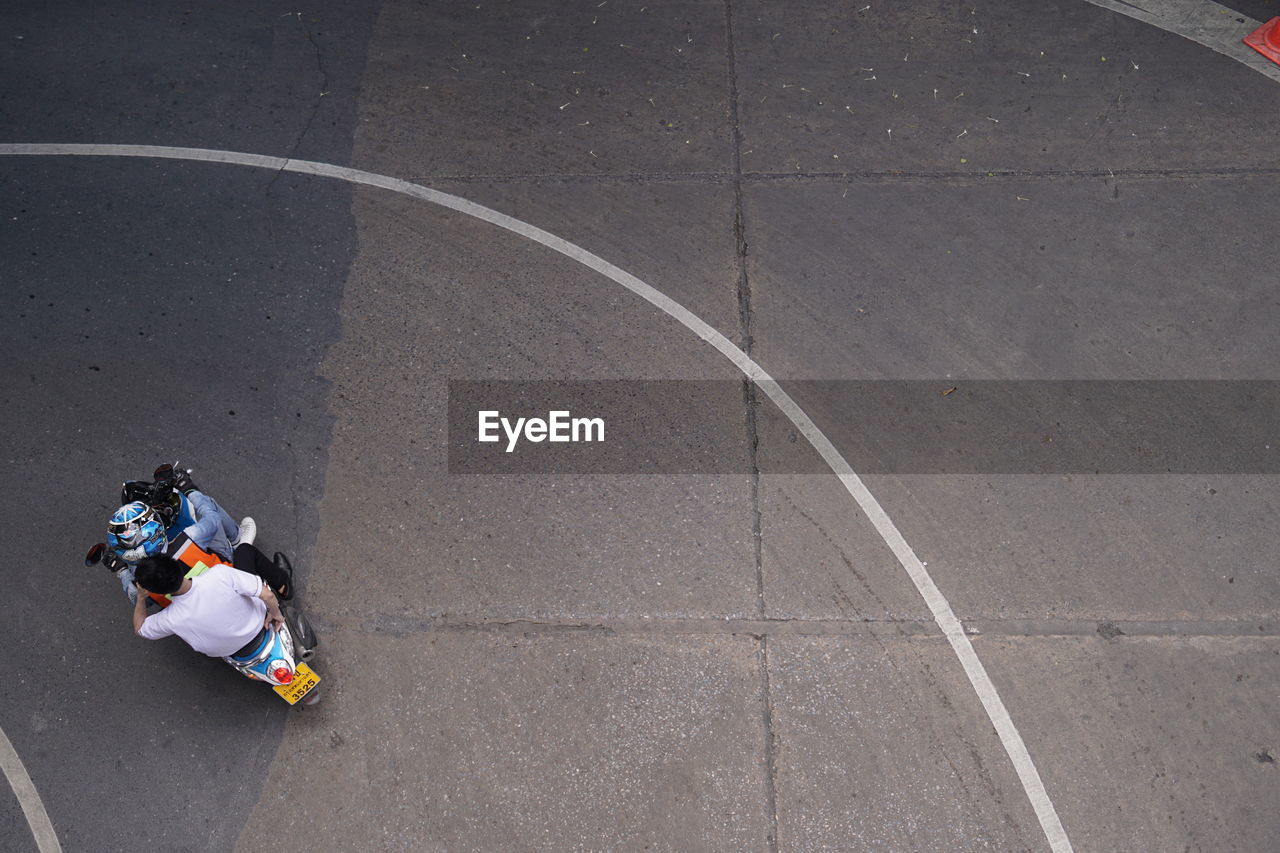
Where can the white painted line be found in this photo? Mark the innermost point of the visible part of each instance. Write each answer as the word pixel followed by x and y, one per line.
pixel 28 797
pixel 1202 21
pixel 938 605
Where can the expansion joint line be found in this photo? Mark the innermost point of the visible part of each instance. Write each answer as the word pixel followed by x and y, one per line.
pixel 770 746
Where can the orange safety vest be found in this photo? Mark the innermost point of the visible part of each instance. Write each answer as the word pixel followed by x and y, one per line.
pixel 191 555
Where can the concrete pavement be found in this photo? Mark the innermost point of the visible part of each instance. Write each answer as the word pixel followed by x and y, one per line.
pixel 685 662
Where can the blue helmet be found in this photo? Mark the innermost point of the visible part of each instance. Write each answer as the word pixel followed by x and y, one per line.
pixel 136 525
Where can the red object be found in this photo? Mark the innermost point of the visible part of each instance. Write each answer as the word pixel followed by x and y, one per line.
pixel 1266 40
pixel 283 675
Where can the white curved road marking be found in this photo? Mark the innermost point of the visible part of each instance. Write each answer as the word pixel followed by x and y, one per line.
pixel 1202 21
pixel 938 605
pixel 28 797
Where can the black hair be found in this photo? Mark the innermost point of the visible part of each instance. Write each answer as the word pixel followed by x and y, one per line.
pixel 160 574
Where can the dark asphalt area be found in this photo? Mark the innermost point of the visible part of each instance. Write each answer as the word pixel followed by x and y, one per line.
pixel 706 661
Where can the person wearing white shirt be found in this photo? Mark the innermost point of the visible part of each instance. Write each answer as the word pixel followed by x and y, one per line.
pixel 216 612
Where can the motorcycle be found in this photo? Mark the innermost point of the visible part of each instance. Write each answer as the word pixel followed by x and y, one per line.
pixel 277 656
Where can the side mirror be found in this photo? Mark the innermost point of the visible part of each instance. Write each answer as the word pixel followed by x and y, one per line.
pixel 95 554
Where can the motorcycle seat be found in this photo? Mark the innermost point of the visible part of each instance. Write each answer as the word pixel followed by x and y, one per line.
pixel 249 648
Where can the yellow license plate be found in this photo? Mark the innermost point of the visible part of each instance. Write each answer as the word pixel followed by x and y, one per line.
pixel 303 681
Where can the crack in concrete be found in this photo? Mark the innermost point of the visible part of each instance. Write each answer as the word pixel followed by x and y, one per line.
pixel 315 107
pixel 751 404
pixel 770 745
pixel 749 393
pixel 324 84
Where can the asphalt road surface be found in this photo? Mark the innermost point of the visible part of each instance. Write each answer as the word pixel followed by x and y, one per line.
pixel 737 656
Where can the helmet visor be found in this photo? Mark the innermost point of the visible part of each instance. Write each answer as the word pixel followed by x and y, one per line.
pixel 127 533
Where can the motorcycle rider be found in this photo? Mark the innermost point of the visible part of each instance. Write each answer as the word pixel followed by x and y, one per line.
pixel 185 514
pixel 218 611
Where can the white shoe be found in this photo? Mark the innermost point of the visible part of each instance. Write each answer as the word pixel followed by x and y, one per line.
pixel 248 532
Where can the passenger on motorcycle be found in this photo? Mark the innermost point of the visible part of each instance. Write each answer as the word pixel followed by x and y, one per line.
pixel 217 611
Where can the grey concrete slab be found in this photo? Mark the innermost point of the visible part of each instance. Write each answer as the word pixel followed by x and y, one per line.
pixel 1258 10
pixel 994 86
pixel 476 741
pixel 13 825
pixel 1149 743
pixel 881 745
pixel 821 559
pixel 546 88
pixel 540 547
pixel 1213 25
pixel 675 236
pixel 1094 548
pixel 1026 279
pixel 434 297
pixel 482 295
pixel 265 78
pixel 949 273
pixel 966 280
